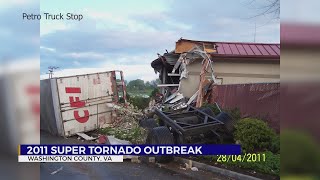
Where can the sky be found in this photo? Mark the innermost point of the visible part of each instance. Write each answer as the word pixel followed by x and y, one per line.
pixel 127 35
pixel 20 40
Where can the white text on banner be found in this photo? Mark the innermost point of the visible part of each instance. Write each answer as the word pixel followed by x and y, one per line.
pixel 71 158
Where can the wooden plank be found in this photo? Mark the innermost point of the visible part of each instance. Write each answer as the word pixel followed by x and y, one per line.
pixel 167 85
pixel 202 84
pixel 173 74
pixel 86 137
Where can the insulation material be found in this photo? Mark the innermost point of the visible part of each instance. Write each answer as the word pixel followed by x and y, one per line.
pixel 171 97
pixel 178 97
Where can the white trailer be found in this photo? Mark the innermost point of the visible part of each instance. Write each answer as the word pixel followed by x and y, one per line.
pixel 79 103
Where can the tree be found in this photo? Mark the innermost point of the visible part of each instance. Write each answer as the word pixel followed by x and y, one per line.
pixel 148 84
pixel 154 92
pixel 269 7
pixel 155 82
pixel 137 84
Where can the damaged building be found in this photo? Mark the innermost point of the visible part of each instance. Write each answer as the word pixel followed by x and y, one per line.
pixel 189 71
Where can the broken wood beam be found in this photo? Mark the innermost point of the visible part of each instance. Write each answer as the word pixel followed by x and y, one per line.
pixel 167 85
pixel 202 81
pixel 173 74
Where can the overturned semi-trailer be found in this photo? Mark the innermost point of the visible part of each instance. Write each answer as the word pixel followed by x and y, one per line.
pixel 79 103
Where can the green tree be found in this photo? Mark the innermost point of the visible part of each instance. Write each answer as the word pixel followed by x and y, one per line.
pixel 148 84
pixel 155 82
pixel 154 92
pixel 137 84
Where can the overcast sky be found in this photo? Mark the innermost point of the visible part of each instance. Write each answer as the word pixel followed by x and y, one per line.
pixel 127 35
pixel 19 39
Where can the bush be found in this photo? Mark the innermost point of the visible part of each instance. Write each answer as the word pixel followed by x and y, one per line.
pixel 299 153
pixel 269 165
pixel 128 96
pixel 234 113
pixel 253 134
pixel 154 92
pixel 139 102
pixel 275 144
pixel 213 107
pixel 135 135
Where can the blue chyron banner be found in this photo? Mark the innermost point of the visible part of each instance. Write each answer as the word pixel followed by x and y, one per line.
pixel 212 149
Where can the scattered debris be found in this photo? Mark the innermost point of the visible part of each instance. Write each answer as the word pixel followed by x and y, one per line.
pixel 194 169
pixel 190 163
pixel 125 125
pixel 116 141
pixel 193 97
pixel 135 159
pixel 178 97
pixel 171 97
pixel 159 165
pixel 177 88
pixel 187 166
pixel 103 139
pixel 152 159
pixel 128 157
pixel 86 137
pixel 56 171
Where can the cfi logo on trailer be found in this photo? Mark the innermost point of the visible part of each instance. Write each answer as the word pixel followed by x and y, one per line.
pixel 76 102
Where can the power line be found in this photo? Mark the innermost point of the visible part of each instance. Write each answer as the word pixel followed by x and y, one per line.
pixel 50 71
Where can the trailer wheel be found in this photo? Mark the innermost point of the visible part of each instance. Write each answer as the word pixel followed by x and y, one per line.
pixel 161 123
pixel 148 123
pixel 228 121
pixel 208 111
pixel 160 135
pixel 180 139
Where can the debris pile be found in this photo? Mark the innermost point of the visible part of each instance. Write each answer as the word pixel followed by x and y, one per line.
pixel 180 86
pixel 126 124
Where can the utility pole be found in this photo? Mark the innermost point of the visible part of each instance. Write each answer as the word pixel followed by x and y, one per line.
pixel 51 69
pixel 255 32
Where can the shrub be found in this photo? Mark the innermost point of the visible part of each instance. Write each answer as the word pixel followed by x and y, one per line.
pixel 275 144
pixel 121 100
pixel 271 165
pixel 128 96
pixel 299 153
pixel 139 102
pixel 213 107
pixel 253 134
pixel 135 135
pixel 234 113
pixel 154 92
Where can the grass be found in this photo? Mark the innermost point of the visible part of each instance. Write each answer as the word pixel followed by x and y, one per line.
pixel 135 134
pixel 271 165
pixel 299 177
